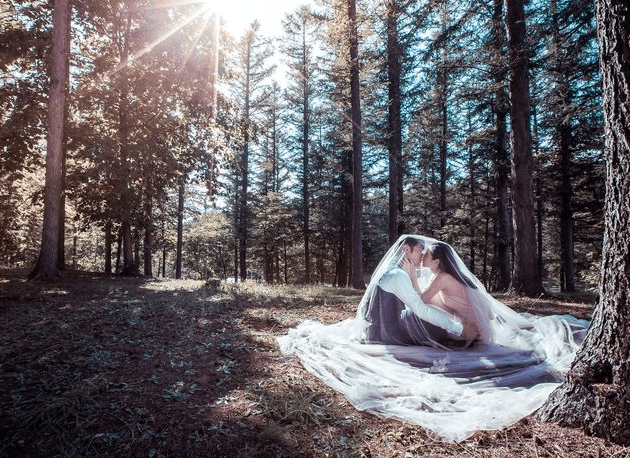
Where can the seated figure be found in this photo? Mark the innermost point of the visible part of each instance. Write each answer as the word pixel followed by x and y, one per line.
pixel 430 346
pixel 433 309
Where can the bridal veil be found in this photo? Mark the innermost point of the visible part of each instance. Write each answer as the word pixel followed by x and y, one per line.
pixel 399 357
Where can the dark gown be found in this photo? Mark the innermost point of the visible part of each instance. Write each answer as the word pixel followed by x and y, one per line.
pixel 391 323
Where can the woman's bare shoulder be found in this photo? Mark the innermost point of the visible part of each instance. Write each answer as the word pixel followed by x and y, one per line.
pixel 454 286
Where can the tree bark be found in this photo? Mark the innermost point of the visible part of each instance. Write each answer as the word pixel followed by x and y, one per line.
pixel 472 202
pixel 305 154
pixel 128 267
pixel 180 229
pixel 501 158
pixel 148 238
pixel 442 89
pixel 243 216
pixel 47 266
pixel 595 396
pixel 525 278
pixel 108 247
pixel 564 133
pixel 357 156
pixel 394 131
pixel 61 252
pixel 539 190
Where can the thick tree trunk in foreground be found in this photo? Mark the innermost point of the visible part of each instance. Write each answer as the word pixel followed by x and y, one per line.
pixel 596 393
pixel 525 279
pixel 47 264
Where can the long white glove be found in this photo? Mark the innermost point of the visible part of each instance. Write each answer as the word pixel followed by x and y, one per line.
pixel 396 281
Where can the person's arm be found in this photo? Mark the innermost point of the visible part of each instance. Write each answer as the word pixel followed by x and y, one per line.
pixel 399 283
pixel 435 285
pixel 432 289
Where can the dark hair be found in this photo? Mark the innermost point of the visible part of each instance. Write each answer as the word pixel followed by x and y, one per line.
pixel 442 252
pixel 412 242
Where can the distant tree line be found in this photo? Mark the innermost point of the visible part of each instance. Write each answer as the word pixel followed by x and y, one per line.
pixel 300 158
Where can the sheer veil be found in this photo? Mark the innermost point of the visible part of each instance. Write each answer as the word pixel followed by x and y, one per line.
pixel 407 369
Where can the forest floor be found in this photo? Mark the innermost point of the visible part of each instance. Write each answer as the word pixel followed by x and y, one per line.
pixel 100 366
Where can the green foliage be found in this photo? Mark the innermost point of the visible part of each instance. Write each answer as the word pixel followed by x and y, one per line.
pixel 209 247
pixel 140 120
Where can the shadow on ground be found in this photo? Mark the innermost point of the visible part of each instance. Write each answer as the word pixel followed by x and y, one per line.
pixel 97 365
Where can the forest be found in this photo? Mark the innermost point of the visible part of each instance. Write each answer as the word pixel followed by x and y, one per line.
pixel 177 199
pixel 188 152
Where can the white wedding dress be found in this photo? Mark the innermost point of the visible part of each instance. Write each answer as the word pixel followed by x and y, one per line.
pixel 400 358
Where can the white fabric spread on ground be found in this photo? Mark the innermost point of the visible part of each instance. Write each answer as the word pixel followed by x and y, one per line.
pixel 450 392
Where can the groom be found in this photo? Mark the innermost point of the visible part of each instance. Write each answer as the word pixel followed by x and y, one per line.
pixel 397 313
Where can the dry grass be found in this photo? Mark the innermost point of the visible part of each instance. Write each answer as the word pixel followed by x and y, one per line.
pixel 97 366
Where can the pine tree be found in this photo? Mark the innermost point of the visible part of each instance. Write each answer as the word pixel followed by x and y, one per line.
pixel 301 31
pixel 525 279
pixel 501 157
pixel 394 118
pixel 47 266
pixel 595 396
pixel 357 149
pixel 251 92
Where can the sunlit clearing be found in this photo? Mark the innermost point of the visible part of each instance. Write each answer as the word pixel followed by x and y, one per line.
pixel 172 284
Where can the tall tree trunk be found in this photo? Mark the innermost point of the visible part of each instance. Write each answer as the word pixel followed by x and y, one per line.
pixel 566 210
pixel 472 203
pixel 128 268
pixel 525 279
pixel 564 133
pixel 242 208
pixel 443 145
pixel 163 262
pixel 539 193
pixel 108 247
pixel 61 252
pixel 118 249
pixel 501 158
pixel 341 271
pixel 214 68
pixel 136 246
pixel 394 125
pixel 595 396
pixel 442 90
pixel 357 153
pixel 305 161
pixel 75 243
pixel 148 238
pixel 236 262
pixel 180 228
pixel 345 233
pixel 243 213
pixel 47 266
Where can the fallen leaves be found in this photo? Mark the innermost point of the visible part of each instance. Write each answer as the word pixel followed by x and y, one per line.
pixel 101 366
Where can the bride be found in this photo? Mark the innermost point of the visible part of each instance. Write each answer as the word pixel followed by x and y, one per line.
pixel 431 347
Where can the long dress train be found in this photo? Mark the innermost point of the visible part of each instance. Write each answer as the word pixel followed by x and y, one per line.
pixel 390 362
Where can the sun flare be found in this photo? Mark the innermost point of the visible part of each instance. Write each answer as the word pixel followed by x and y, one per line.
pixel 235 17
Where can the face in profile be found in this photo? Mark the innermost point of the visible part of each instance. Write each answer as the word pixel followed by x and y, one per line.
pixel 414 254
pixel 428 260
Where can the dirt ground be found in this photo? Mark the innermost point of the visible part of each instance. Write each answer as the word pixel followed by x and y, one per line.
pixel 99 366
